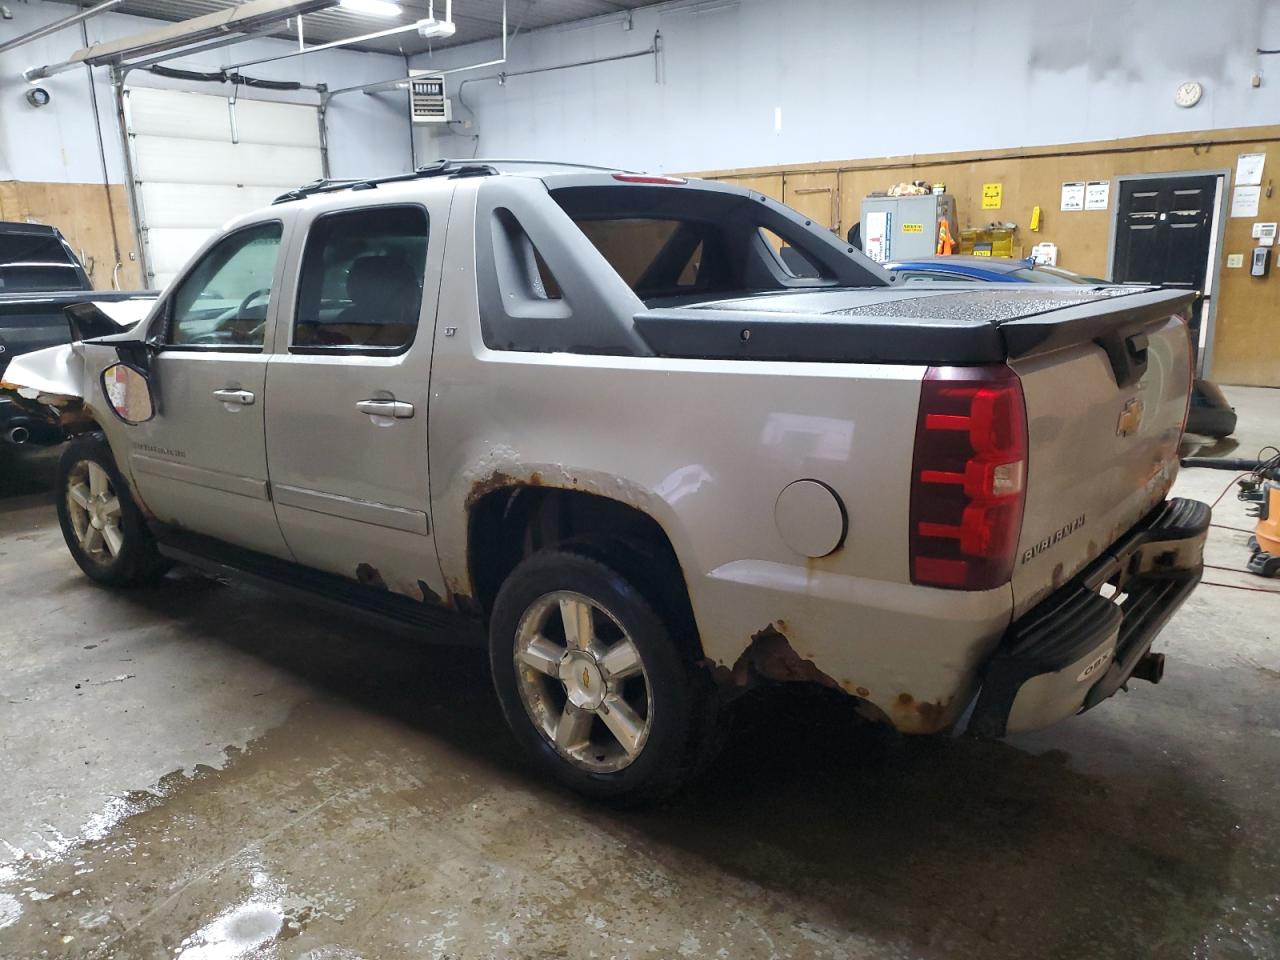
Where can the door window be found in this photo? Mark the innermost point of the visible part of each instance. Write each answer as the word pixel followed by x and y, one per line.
pixel 222 302
pixel 360 290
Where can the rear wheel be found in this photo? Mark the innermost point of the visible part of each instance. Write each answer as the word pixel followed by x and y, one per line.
pixel 591 680
pixel 102 526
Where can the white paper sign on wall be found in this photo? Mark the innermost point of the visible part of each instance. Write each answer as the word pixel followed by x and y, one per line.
pixel 1244 201
pixel 1249 169
pixel 1097 193
pixel 1073 196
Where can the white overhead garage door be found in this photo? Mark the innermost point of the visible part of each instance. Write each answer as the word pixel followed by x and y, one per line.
pixel 194 172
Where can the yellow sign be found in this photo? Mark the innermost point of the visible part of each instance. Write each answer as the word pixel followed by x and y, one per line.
pixel 991 193
pixel 913 228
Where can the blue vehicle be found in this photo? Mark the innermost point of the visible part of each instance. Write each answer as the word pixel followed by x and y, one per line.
pixel 983 270
pixel 1211 414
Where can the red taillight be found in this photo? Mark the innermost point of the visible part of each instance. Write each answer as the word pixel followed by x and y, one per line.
pixel 968 480
pixel 1192 346
pixel 649 178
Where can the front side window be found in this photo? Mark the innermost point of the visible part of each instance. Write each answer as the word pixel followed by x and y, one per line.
pixel 361 283
pixel 223 301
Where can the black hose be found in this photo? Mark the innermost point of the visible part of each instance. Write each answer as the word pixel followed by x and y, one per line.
pixel 222 76
pixel 1222 463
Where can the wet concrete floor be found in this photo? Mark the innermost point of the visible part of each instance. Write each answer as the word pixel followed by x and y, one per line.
pixel 205 772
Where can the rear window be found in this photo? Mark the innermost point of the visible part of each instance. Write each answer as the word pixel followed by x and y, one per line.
pixel 31 247
pixel 35 262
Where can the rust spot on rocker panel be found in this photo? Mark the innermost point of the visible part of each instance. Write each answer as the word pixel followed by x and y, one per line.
pixel 369 576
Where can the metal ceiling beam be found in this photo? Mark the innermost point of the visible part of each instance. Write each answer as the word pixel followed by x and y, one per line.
pixel 401 82
pixel 245 18
pixel 346 41
pixel 41 32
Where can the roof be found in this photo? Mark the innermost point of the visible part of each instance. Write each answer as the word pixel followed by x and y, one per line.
pixel 15 226
pixel 450 170
pixel 475 19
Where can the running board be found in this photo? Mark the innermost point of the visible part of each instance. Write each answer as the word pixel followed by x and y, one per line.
pixel 392 611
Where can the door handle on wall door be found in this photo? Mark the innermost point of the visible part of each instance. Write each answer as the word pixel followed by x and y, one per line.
pixel 386 408
pixel 230 395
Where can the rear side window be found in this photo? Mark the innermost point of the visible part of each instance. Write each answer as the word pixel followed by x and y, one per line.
pixel 648 252
pixel 361 284
pixel 675 245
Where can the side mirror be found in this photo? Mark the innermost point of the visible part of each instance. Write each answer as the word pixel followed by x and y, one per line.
pixel 128 390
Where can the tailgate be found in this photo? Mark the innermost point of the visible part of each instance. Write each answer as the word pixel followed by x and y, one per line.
pixel 1104 420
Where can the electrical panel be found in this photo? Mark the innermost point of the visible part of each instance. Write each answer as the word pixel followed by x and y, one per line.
pixel 427 102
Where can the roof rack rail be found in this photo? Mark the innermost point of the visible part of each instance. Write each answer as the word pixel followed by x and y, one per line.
pixel 450 168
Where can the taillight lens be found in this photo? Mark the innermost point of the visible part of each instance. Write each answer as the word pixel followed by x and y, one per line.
pixel 968 480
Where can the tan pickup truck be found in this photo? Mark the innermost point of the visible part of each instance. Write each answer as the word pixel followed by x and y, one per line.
pixel 653 441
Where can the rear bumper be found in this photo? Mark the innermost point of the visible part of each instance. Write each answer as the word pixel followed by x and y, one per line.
pixel 1080 645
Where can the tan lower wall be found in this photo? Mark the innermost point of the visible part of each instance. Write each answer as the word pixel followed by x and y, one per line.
pixel 84 214
pixel 1246 346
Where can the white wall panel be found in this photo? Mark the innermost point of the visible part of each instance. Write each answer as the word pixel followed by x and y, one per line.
pixel 196 116
pixel 169 248
pixel 170 160
pixel 204 205
pixel 857 78
pixel 192 177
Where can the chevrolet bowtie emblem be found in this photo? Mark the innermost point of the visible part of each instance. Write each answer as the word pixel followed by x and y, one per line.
pixel 586 678
pixel 1130 418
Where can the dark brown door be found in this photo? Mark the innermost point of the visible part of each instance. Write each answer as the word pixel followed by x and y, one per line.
pixel 1164 234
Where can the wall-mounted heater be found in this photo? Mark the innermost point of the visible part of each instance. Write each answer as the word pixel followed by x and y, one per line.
pixel 427 100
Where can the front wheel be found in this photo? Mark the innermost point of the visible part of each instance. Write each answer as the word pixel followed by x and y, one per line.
pixel 591 681
pixel 103 528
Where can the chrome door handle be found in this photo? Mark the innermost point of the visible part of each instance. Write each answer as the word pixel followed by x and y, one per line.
pixel 386 408
pixel 229 395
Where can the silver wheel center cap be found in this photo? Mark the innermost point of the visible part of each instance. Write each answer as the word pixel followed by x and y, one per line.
pixel 583 682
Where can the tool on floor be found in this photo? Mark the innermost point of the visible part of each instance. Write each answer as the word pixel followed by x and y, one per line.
pixel 1261 489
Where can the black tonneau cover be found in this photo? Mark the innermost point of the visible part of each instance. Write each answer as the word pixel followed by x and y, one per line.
pixel 944 325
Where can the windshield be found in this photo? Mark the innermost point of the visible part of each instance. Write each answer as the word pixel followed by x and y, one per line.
pixel 1049 275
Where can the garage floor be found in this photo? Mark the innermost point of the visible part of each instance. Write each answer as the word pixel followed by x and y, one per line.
pixel 202 771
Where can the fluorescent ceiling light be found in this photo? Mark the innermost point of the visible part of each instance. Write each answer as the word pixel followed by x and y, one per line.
pixel 374 8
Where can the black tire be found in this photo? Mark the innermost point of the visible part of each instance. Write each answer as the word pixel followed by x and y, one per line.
pixel 1216 422
pixel 681 704
pixel 1211 413
pixel 136 562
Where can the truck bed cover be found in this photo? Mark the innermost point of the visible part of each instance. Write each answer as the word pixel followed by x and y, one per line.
pixel 939 326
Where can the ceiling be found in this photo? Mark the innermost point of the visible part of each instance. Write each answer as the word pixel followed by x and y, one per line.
pixel 476 19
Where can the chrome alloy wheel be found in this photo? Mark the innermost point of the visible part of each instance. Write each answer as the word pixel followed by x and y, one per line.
pixel 95 512
pixel 582 682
